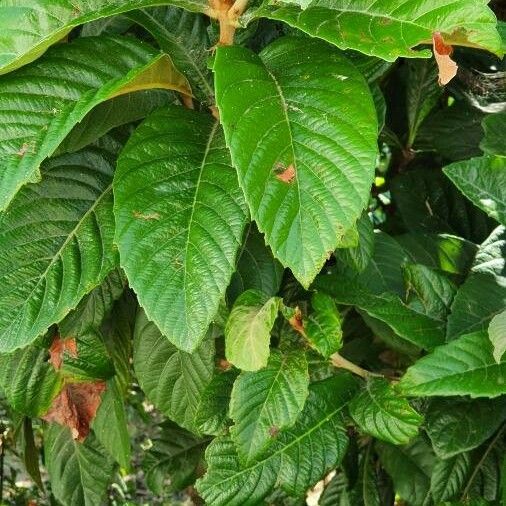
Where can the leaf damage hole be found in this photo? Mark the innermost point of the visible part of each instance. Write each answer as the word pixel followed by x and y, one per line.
pixel 285 174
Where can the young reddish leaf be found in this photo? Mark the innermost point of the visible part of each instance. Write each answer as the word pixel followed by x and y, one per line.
pixel 442 52
pixel 77 403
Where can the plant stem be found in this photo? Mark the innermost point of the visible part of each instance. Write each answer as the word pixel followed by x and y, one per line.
pixel 339 361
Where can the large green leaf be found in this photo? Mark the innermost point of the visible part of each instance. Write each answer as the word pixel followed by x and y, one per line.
pixel 483 182
pixel 381 412
pixel 410 468
pixel 411 325
pixel 53 102
pixel 172 380
pixel 267 401
pixel 182 35
pixel 458 425
pixel 172 462
pixel 391 28
pixel 56 242
pixel 299 458
pixel 79 472
pixel 305 168
pixel 29 27
pixel 180 218
pixel 248 330
pixel 497 334
pixel 28 381
pixel 465 366
pixel 483 294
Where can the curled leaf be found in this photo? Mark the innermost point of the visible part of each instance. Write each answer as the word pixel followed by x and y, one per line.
pixel 442 52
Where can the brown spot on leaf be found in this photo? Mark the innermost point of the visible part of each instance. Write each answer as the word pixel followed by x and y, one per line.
pixel 442 52
pixel 224 365
pixel 297 322
pixel 77 403
pixel 23 149
pixel 273 431
pixel 287 175
pixel 146 216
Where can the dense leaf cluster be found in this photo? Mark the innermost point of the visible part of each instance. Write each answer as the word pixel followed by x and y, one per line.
pixel 253 252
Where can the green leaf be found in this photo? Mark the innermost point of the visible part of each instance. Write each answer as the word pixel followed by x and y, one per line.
pixel 111 114
pixel 381 412
pixel 458 425
pixel 180 218
pixel 323 326
pixel 494 143
pixel 429 203
pixel 212 411
pixel 56 243
pixel 429 291
pixel 79 472
pixel 248 330
pixel 266 402
pixel 28 381
pixel 448 477
pixel 483 182
pixel 172 380
pixel 392 28
pixel 483 294
pixel 29 27
pixel 357 258
pixel 171 464
pixel 110 425
pixel 306 180
pixel 453 132
pixel 410 468
pixel 92 309
pixel 256 267
pixel 443 252
pixel 465 366
pixel 299 458
pixel 53 102
pixel 497 335
pixel 422 93
pixel 30 452
pixel 415 327
pixel 182 35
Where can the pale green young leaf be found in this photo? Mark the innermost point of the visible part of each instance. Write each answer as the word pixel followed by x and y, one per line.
pixel 53 102
pixel 248 330
pixel 266 402
pixel 180 218
pixel 173 380
pixel 381 412
pixel 306 178
pixel 323 326
pixel 497 334
pixel 391 28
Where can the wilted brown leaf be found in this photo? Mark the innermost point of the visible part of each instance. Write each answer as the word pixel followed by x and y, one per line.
pixel 447 67
pixel 77 403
